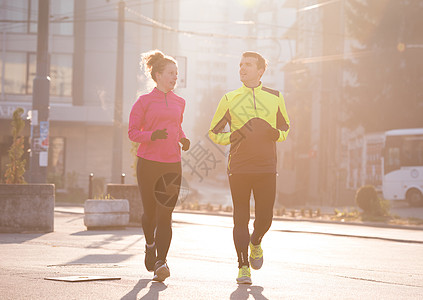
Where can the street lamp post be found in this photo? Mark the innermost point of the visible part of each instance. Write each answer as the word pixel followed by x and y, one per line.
pixel 117 120
pixel 40 101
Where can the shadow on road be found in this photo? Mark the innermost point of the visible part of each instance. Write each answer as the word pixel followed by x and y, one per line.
pixel 244 291
pixel 153 292
pixel 124 231
pixel 18 238
pixel 101 259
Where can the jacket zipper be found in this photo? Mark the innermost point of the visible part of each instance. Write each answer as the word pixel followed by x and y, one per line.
pixel 254 97
pixel 166 99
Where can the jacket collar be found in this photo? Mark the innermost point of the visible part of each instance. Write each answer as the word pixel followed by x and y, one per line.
pixel 158 92
pixel 256 89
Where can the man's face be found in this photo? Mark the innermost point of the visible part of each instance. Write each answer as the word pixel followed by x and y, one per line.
pixel 248 72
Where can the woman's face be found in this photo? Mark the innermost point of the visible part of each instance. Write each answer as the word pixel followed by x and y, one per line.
pixel 166 80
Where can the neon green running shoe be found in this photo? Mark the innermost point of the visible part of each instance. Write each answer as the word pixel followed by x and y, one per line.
pixel 256 256
pixel 244 275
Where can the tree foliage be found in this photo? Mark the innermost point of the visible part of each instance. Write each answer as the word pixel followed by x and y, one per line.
pixel 368 200
pixel 386 90
pixel 16 168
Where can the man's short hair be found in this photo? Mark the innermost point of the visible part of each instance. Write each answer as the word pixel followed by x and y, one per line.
pixel 261 61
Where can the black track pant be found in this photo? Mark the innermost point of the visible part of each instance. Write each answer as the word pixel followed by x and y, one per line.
pixel 159 185
pixel 264 191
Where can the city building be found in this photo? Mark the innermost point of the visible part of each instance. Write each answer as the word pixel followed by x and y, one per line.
pixel 82 55
pixel 213 35
pixel 315 79
pixel 206 37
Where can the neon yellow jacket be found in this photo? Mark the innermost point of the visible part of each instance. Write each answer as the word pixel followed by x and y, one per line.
pixel 257 119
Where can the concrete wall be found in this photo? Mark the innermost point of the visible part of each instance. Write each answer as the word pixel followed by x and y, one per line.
pixel 88 149
pixel 26 207
pixel 132 194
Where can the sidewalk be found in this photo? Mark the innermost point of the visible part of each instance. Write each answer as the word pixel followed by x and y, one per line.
pixel 378 230
pixel 203 261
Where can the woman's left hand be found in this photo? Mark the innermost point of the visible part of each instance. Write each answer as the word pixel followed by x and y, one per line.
pixel 185 143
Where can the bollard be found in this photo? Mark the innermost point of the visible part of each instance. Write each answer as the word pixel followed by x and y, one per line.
pixel 122 178
pixel 90 185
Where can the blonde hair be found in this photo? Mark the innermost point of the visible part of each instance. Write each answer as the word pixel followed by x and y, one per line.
pixel 155 61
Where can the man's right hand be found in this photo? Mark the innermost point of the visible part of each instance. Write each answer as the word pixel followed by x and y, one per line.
pixel 159 134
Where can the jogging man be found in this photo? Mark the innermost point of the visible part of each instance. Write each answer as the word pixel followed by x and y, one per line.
pixel 257 118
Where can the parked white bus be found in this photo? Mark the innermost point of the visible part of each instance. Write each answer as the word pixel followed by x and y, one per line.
pixel 403 166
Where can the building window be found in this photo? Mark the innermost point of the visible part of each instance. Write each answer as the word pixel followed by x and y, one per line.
pixel 61 22
pixel 13 75
pixel 22 16
pixel 32 71
pixel 32 16
pixel 61 75
pixel 19 15
pixel 20 71
pixel 15 14
pixel 56 161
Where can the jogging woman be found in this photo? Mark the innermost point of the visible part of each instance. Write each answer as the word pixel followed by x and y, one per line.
pixel 155 123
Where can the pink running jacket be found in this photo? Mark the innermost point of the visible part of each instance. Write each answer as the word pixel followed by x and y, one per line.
pixel 157 110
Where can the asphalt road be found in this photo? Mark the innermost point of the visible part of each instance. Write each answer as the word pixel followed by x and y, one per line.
pixel 303 260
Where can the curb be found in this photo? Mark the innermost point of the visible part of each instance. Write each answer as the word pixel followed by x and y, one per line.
pixel 277 218
pixel 356 236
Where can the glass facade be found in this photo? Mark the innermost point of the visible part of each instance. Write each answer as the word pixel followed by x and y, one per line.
pixel 61 22
pixel 15 15
pixel 18 68
pixel 81 111
pixel 14 70
pixel 20 16
pixel 61 75
pixel 19 71
pixel 32 16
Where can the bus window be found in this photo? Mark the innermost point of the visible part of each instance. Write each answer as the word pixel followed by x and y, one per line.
pixel 392 159
pixel 420 154
pixel 407 153
pixel 412 151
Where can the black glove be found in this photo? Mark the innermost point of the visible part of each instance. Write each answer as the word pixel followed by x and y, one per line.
pixel 159 134
pixel 185 144
pixel 273 134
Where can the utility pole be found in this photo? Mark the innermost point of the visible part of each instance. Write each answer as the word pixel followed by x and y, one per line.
pixel 117 120
pixel 40 100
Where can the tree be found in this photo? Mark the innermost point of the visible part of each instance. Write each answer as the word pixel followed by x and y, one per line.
pixel 16 168
pixel 385 91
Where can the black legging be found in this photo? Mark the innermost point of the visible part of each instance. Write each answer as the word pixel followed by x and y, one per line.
pixel 159 185
pixel 264 191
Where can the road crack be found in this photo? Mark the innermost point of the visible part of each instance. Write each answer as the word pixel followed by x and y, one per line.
pixel 378 281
